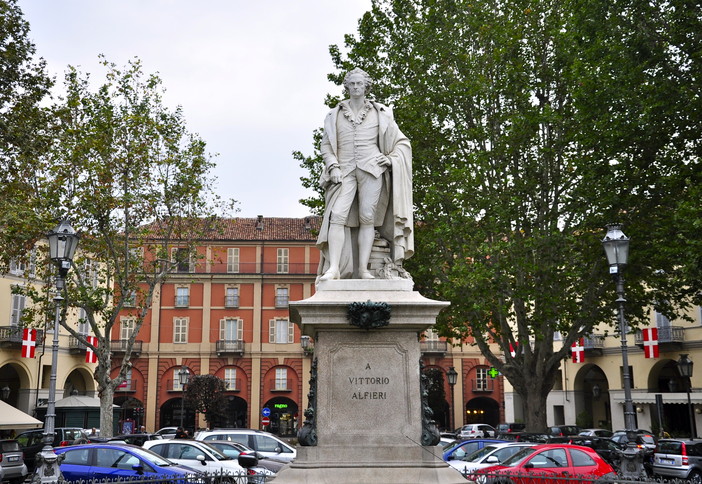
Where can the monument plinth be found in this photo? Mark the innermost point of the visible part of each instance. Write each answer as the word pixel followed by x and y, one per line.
pixel 367 394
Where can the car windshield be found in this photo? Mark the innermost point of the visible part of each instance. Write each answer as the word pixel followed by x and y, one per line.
pixel 215 451
pixel 151 456
pixel 518 457
pixel 450 444
pixel 478 453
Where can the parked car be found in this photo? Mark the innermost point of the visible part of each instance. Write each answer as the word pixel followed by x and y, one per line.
pixel 644 439
pixel 31 441
pixel 202 456
pixel 476 431
pixel 235 449
pixel 135 439
pixel 678 459
pixel 464 447
pixel 605 447
pixel 596 433
pixel 267 444
pixel 564 430
pixel 487 456
pixel 506 428
pixel 167 432
pixel 88 462
pixel 12 466
pixel 535 464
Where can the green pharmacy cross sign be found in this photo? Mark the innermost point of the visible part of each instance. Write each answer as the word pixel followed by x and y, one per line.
pixel 493 372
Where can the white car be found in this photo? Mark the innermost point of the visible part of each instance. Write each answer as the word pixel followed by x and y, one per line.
pixel 489 455
pixel 476 431
pixel 266 444
pixel 200 456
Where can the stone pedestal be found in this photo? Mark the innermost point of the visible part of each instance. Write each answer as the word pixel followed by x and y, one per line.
pixel 368 413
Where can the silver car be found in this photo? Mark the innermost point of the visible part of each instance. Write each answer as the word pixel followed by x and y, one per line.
pixel 12 466
pixel 679 459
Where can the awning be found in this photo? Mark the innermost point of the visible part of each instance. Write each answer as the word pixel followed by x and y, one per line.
pixel 12 418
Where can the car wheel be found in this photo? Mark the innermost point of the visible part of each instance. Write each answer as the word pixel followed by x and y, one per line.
pixel 695 477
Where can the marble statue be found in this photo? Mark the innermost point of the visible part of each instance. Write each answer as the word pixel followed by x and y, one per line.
pixel 367 179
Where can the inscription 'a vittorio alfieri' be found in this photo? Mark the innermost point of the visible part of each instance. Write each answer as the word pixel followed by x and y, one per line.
pixel 371 393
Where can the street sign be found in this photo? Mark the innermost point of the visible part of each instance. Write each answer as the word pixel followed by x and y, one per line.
pixel 266 412
pixel 265 421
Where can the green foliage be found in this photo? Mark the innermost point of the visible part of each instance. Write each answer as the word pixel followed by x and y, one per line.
pixel 205 394
pixel 584 420
pixel 23 132
pixel 533 125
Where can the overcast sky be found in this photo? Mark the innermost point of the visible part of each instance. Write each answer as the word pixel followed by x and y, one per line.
pixel 250 75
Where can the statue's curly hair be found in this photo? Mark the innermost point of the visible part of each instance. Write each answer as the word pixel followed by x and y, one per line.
pixel 368 82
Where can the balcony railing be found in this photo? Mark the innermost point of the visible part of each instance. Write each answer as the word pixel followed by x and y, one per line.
pixel 276 385
pixel 11 336
pixel 282 301
pixel 481 385
pixel 175 386
pixel 233 385
pixel 229 347
pixel 126 386
pixel 433 346
pixel 669 335
pixel 231 301
pixel 119 346
pixel 594 344
pixel 75 346
pixel 182 301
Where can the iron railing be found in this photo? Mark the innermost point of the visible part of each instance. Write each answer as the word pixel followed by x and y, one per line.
pixel 230 346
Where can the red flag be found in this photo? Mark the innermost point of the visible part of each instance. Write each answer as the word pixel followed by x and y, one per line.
pixel 29 342
pixel 90 356
pixel 578 350
pixel 513 349
pixel 650 337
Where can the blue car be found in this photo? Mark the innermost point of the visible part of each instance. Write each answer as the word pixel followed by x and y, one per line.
pixel 118 461
pixel 461 449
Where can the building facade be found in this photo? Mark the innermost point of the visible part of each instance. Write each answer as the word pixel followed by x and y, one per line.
pixel 224 312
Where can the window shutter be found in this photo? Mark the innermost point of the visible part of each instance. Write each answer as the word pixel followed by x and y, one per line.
pixel 240 330
pixel 271 331
pixel 222 329
pixel 291 332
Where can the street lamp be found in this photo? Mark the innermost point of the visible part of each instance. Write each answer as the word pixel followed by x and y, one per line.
pixel 183 377
pixel 685 368
pixel 304 343
pixel 616 246
pixel 63 241
pixel 452 376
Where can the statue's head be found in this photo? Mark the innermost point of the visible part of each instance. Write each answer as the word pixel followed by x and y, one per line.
pixel 366 78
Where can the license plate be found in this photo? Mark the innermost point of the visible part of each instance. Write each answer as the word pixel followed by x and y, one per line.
pixel 13 458
pixel 667 461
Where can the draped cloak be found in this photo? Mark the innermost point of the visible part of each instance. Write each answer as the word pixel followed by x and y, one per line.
pixel 394 216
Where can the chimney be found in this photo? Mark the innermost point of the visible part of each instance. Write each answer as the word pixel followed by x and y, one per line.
pixel 308 225
pixel 259 223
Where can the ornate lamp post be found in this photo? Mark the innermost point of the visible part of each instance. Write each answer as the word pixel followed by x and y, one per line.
pixel 183 377
pixel 616 246
pixel 685 368
pixel 452 376
pixel 63 241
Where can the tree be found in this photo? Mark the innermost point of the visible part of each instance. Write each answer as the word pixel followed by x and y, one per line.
pixel 135 185
pixel 23 130
pixel 532 126
pixel 205 394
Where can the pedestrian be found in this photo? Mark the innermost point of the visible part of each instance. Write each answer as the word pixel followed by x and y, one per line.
pixel 181 433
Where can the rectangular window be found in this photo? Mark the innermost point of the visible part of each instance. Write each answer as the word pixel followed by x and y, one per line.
pixel 281 297
pixel 281 331
pixel 17 267
pixel 129 299
pixel 90 268
pixel 176 378
pixel 182 299
pixel 230 378
pixel 283 257
pixel 183 260
pixel 231 297
pixel 180 330
pixel 126 385
pixel 233 259
pixel 126 328
pixel 481 379
pixel 83 325
pixel 18 304
pixel 231 329
pixel 281 379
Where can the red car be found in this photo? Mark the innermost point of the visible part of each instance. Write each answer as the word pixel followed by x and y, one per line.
pixel 546 462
